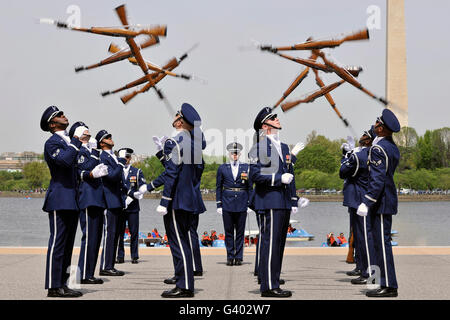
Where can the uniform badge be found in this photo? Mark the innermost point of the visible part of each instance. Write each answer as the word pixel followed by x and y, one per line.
pixel 133 179
pixel 288 158
pixel 81 159
pixel 244 176
pixel 55 154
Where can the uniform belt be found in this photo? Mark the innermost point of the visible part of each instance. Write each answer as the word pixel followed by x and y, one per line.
pixel 236 189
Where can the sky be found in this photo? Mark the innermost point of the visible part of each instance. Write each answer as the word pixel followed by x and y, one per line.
pixel 37 68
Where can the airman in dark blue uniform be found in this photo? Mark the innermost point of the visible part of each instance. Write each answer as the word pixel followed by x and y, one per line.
pixel 114 189
pixel 181 198
pixel 232 198
pixel 91 201
pixel 354 169
pixel 271 170
pixel 193 233
pixel 380 202
pixel 134 178
pixel 60 153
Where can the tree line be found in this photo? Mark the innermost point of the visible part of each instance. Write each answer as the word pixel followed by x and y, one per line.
pixel 424 164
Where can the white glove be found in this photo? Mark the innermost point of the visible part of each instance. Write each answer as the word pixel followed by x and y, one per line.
pixel 128 200
pixel 92 143
pixel 100 170
pixel 297 148
pixel 286 178
pixel 249 210
pixel 294 210
pixel 143 189
pixel 346 147
pixel 161 210
pixel 137 195
pixel 219 210
pixel 351 142
pixel 79 131
pixel 362 210
pixel 122 153
pixel 303 202
pixel 159 142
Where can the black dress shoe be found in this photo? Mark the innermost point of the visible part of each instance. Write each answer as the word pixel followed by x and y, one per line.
pixel 276 293
pixel 382 292
pixel 63 293
pixel 120 260
pixel 361 280
pixel 134 261
pixel 172 280
pixel 198 273
pixel 229 262
pixel 237 262
pixel 69 291
pixel 112 272
pixel 354 273
pixel 92 281
pixel 178 293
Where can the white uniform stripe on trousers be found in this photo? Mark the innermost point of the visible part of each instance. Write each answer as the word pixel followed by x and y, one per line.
pixel 270 250
pixel 182 251
pixel 86 243
pixel 384 252
pixel 367 245
pixel 259 244
pixel 105 239
pixel 51 251
pixel 192 250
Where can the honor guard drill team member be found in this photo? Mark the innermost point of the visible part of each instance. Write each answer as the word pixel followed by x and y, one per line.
pixel 354 169
pixel 380 202
pixel 232 197
pixel 91 200
pixel 181 198
pixel 134 178
pixel 114 188
pixel 271 169
pixel 302 202
pixel 193 233
pixel 60 153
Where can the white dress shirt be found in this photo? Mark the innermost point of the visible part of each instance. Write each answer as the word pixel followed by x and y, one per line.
pixel 277 143
pixel 234 168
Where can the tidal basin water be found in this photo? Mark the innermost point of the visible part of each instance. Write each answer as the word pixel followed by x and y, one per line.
pixel 23 223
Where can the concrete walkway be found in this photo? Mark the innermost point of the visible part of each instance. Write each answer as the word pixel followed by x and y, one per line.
pixel 311 273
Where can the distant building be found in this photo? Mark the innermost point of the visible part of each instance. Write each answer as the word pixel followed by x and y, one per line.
pixel 14 161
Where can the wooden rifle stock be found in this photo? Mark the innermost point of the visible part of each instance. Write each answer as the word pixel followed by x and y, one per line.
pixel 320 44
pixel 295 83
pixel 289 105
pixel 307 62
pixel 118 55
pixel 329 98
pixel 345 75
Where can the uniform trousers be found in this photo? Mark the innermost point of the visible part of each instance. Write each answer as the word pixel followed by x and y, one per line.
pixel 195 244
pixel 91 224
pixel 63 227
pixel 384 258
pixel 274 225
pixel 364 243
pixel 234 221
pixel 177 224
pixel 258 247
pixel 110 238
pixel 133 225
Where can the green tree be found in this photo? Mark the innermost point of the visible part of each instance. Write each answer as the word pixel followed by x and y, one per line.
pixel 37 174
pixel 316 157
